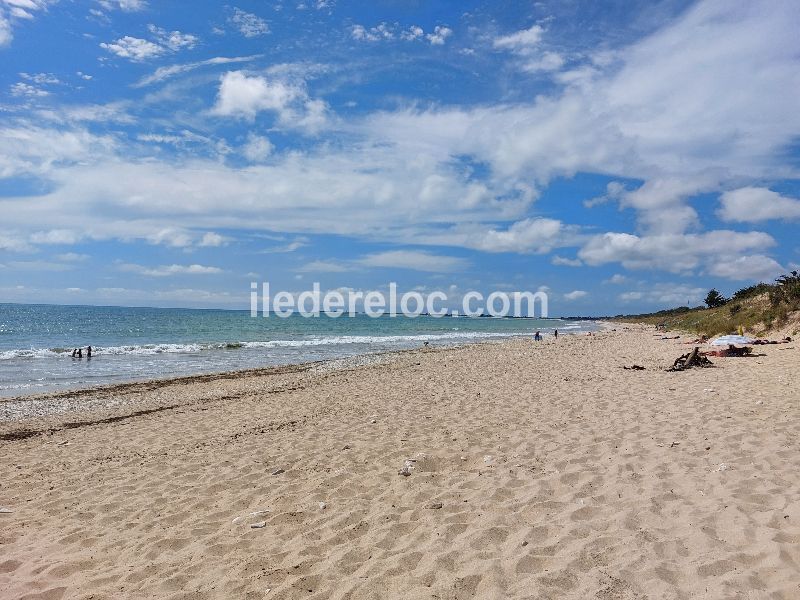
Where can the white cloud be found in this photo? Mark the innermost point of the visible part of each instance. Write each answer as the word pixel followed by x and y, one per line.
pixel 415 260
pixel 386 32
pixel 753 204
pixel 30 91
pixel 212 240
pixel 168 270
pixel 747 268
pixel 414 32
pixel 248 24
pixel 257 148
pixel 382 31
pixel 630 296
pixel 170 236
pixel 616 279
pixel 56 236
pixel 575 295
pixel 243 96
pixel 323 266
pixel 16 10
pixel 439 35
pixel 529 235
pixel 163 73
pixel 13 243
pixel 5 31
pixel 670 252
pixel 124 5
pixel 174 40
pixel 40 78
pixel 135 49
pixel 566 262
pixel 139 50
pixel 547 62
pixel 296 244
pixel 521 41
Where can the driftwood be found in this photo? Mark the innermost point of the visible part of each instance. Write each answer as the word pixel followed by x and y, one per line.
pixel 689 360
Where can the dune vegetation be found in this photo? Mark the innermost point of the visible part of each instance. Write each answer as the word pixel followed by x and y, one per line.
pixel 756 309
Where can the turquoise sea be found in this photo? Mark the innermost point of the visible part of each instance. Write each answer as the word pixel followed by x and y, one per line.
pixel 129 344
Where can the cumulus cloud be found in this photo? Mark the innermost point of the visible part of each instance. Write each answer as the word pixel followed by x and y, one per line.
pixel 382 31
pixel 386 32
pixel 670 252
pixel 439 35
pixel 754 204
pixel 747 268
pixel 134 49
pixel 244 96
pixel 241 95
pixel 140 50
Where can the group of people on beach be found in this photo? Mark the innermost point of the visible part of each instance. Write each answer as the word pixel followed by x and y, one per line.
pixel 537 337
pixel 78 352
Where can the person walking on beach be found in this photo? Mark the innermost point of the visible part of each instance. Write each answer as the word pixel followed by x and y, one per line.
pixel 555 333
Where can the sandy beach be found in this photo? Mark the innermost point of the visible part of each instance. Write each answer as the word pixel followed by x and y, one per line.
pixel 533 470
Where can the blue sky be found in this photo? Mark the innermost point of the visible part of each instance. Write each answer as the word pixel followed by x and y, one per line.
pixel 626 156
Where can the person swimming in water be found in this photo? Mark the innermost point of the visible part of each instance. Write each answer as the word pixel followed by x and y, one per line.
pixel 88 352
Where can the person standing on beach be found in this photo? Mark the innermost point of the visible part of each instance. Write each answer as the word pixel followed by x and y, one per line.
pixel 555 333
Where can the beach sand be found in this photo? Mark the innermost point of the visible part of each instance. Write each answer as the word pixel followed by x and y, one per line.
pixel 542 470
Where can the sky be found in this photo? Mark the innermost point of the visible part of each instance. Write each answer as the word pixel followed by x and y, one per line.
pixel 623 156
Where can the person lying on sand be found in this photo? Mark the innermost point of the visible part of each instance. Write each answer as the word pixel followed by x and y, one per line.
pixel 730 351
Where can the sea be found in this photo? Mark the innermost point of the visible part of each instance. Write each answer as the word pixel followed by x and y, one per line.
pixel 130 344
